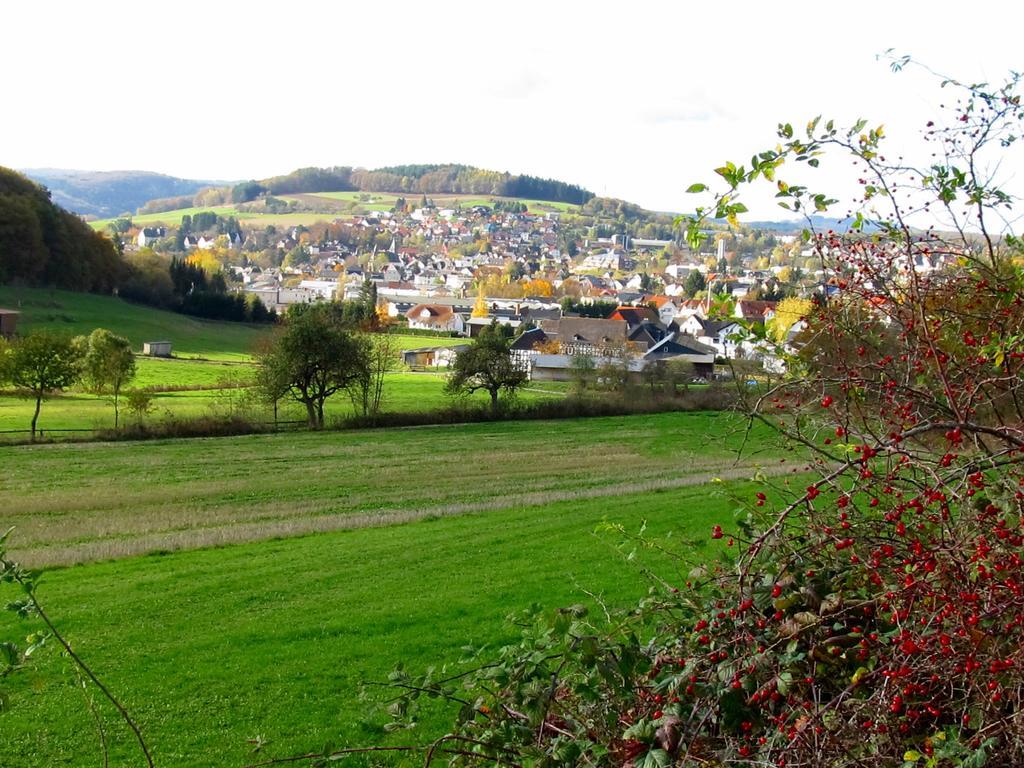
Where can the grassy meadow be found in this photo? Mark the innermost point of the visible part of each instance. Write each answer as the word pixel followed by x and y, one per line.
pixel 81 313
pixel 243 624
pixel 385 201
pixel 88 501
pixel 242 589
pixel 210 360
pixel 208 396
pixel 191 337
pixel 377 201
pixel 213 648
pixel 253 218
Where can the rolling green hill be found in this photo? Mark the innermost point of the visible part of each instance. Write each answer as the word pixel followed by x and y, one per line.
pixel 81 313
pixel 322 206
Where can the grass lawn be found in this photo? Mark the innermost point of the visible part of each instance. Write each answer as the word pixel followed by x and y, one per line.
pixel 215 646
pixel 374 198
pixel 188 372
pixel 80 502
pixel 81 313
pixel 83 411
pixel 411 341
pixel 169 218
pixel 173 218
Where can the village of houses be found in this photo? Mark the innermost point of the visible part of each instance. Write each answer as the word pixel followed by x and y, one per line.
pixel 425 281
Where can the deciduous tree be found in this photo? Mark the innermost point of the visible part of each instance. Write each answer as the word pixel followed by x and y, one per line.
pixel 379 356
pixel 316 356
pixel 43 362
pixel 107 364
pixel 487 365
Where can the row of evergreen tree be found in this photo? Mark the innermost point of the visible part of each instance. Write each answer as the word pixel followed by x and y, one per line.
pixel 202 295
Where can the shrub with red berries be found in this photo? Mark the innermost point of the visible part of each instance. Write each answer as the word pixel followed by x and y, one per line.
pixel 875 616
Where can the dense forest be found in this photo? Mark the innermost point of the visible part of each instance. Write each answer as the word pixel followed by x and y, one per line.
pixel 464 179
pixel 42 244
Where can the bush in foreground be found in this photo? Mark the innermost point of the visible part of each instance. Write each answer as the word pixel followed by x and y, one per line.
pixel 873 615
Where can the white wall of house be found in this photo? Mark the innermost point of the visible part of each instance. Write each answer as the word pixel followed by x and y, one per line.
pixel 667 312
pixel 690 324
pixel 429 323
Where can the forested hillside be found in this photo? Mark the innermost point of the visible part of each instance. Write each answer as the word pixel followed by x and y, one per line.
pixel 41 243
pixel 406 179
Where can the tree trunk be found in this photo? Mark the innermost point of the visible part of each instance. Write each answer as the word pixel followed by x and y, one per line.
pixel 320 415
pixel 311 414
pixel 115 409
pixel 35 416
pixel 494 401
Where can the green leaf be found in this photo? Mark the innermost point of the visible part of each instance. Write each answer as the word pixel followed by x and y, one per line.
pixel 695 188
pixel 656 758
pixel 783 681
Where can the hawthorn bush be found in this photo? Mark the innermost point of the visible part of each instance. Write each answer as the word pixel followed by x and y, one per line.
pixel 873 613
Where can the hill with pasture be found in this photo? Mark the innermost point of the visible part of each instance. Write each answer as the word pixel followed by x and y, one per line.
pixel 109 194
pixel 80 313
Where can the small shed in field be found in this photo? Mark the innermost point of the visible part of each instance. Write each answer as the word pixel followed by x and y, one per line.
pixel 8 322
pixel 429 357
pixel 157 348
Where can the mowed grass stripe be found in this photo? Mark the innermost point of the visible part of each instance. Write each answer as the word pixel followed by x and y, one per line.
pixel 81 502
pixel 74 498
pixel 209 648
pixel 206 533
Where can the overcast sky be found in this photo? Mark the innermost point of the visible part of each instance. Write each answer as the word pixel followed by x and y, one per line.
pixel 629 99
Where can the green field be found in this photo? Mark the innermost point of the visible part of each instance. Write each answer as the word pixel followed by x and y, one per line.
pixel 208 356
pixel 159 372
pixel 81 313
pixel 385 201
pixel 173 218
pixel 425 539
pixel 96 500
pixel 286 569
pixel 380 201
pixel 83 411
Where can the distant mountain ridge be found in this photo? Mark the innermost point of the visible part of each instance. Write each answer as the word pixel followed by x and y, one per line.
pixel 109 193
